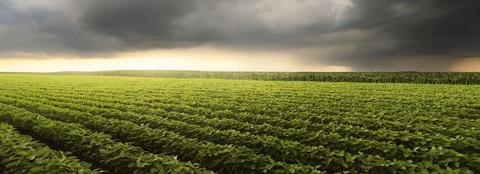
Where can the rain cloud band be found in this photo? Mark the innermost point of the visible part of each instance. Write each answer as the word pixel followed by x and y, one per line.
pixel 337 32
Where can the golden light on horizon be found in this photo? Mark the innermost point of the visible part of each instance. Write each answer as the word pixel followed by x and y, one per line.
pixel 203 58
pixel 467 65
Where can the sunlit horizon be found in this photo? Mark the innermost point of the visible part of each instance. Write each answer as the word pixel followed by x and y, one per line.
pixel 209 59
pixel 58 65
pixel 202 59
pixel 263 64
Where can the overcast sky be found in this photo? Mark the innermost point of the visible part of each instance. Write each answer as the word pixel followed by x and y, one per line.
pixel 291 35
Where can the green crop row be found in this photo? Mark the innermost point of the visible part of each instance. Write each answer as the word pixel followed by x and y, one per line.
pixel 429 123
pixel 20 154
pixel 97 148
pixel 412 140
pixel 195 131
pixel 220 158
pixel 293 152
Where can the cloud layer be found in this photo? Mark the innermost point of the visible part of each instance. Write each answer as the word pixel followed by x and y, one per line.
pixel 355 33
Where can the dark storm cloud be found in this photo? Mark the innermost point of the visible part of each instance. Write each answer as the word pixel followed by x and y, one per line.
pixel 45 31
pixel 419 28
pixel 236 23
pixel 140 23
pixel 353 33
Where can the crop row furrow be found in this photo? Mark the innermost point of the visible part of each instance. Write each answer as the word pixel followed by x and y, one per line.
pixel 328 139
pixel 434 124
pixel 300 135
pixel 426 124
pixel 417 123
pixel 21 154
pixel 351 118
pixel 281 150
pixel 420 153
pixel 353 114
pixel 410 140
pixel 97 148
pixel 221 158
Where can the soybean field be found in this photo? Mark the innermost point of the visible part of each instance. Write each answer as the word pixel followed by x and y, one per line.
pixel 54 123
